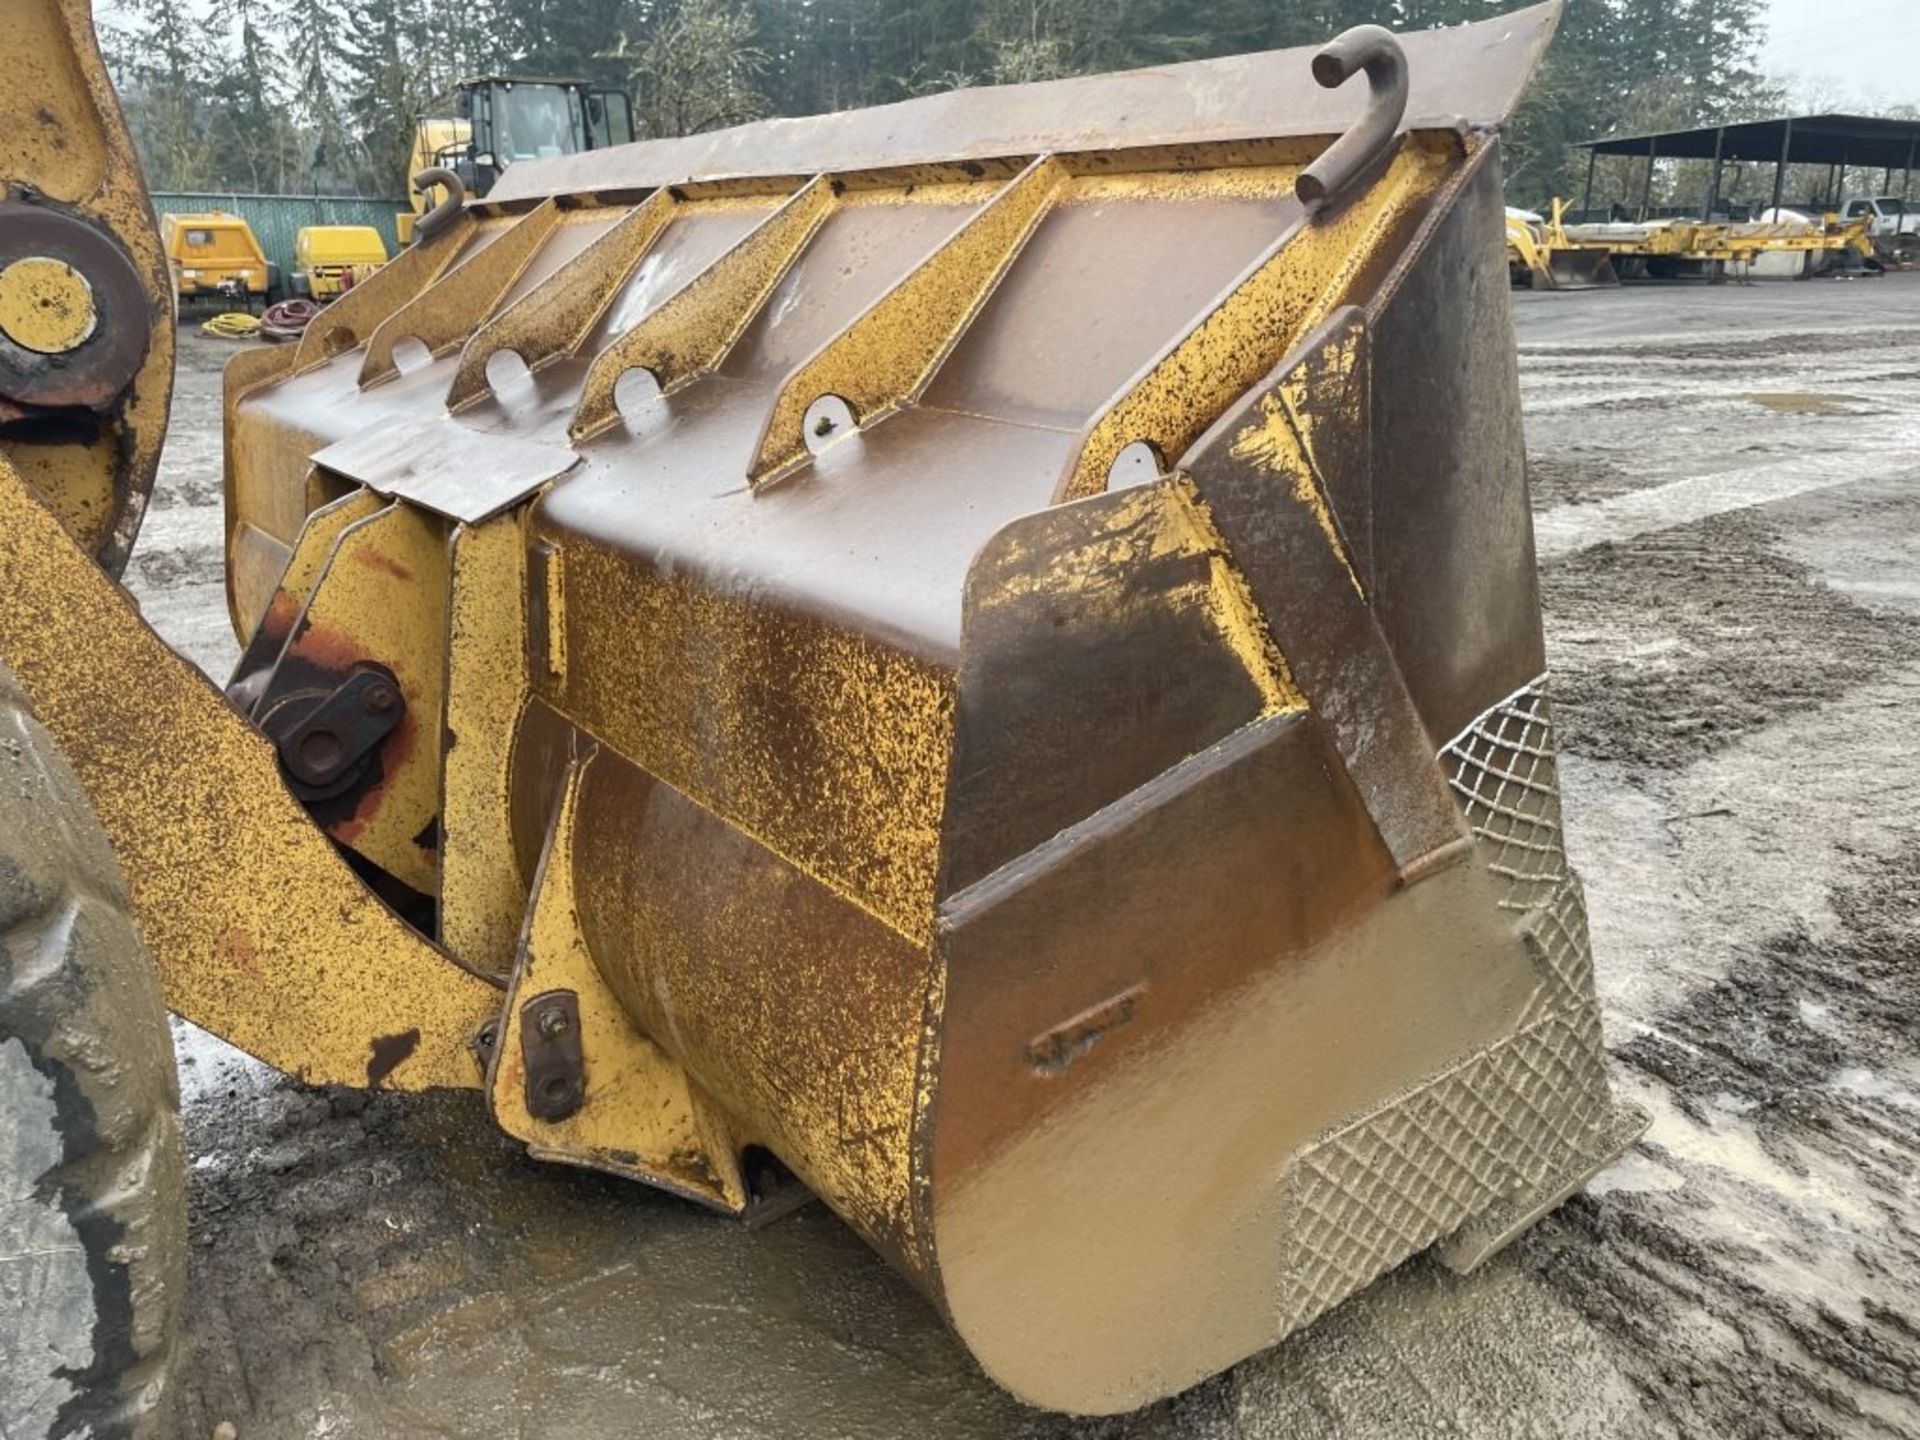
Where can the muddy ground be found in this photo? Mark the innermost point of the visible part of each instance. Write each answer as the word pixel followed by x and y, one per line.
pixel 1728 490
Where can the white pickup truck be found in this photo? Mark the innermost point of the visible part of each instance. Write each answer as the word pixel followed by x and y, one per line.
pixel 1896 223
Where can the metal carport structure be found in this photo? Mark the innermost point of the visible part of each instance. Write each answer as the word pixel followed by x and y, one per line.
pixel 1837 141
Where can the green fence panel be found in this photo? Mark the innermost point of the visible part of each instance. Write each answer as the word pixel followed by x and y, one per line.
pixel 277 219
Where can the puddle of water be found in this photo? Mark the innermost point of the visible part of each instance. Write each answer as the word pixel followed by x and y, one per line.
pixel 1733 1148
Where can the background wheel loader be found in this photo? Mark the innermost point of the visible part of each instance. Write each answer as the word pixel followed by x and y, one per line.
pixel 985 649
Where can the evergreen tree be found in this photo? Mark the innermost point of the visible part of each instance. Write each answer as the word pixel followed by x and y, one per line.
pixel 293 94
pixel 386 86
pixel 256 145
pixel 695 67
pixel 168 70
pixel 312 31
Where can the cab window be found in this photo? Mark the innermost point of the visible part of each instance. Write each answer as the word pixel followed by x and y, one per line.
pixel 609 119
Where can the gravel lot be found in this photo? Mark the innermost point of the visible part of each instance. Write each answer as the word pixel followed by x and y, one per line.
pixel 1727 483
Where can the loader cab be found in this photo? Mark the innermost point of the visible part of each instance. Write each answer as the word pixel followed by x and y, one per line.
pixel 500 120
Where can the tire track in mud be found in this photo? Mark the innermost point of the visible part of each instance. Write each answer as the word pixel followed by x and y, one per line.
pixel 1675 645
pixel 1754 1265
pixel 1782 343
pixel 1779 1294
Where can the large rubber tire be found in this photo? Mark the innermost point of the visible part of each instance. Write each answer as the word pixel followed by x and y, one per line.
pixel 92 1180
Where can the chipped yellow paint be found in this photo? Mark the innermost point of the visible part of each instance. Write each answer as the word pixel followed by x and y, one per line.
pixel 261 932
pixel 353 318
pixel 245 371
pixel 77 480
pixel 45 305
pixel 642 1117
pixel 276 615
pixel 445 313
pixel 1215 158
pixel 255 563
pixel 921 1251
pixel 1318 266
pixel 690 333
pixel 383 597
pixel 51 135
pixel 891 190
pixel 555 316
pixel 687 670
pixel 715 947
pixel 62 137
pixel 1235 613
pixel 481 902
pixel 1177 186
pixel 553 588
pixel 1169 520
pixel 1280 443
pixel 1333 368
pixel 887 355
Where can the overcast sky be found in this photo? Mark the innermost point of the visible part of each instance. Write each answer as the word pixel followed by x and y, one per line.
pixel 1865 47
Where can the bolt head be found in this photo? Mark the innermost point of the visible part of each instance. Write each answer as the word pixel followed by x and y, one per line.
pixel 320 752
pixel 552 1023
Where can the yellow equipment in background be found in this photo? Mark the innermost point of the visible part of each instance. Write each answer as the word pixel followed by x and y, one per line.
pixel 1548 254
pixel 1670 249
pixel 502 120
pixel 1541 257
pixel 329 260
pixel 215 255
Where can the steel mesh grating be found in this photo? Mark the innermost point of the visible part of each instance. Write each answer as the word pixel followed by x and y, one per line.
pixel 1509 1119
pixel 1502 769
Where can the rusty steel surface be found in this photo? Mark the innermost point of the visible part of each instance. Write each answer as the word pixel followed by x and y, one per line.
pixel 380 599
pixel 937 651
pixel 639 1114
pixel 86 358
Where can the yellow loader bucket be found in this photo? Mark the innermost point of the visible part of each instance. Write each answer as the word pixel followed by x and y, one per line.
pixel 1582 269
pixel 984 653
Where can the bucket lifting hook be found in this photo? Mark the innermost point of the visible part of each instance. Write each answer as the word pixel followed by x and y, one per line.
pixel 1365 47
pixel 441 216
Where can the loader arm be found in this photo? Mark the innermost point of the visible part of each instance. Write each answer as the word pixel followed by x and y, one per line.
pixel 86 300
pixel 987 649
pixel 263 933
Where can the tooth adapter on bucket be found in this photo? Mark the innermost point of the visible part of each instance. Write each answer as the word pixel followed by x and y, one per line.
pixel 987 649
